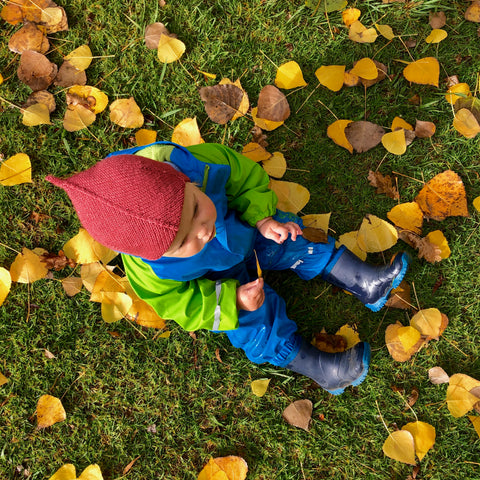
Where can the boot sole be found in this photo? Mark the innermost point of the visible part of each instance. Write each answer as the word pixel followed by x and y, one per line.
pixel 363 375
pixel 375 307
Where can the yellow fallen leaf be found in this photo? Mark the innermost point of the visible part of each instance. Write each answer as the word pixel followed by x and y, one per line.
pixel 349 334
pixel 292 197
pixel 36 114
pixel 82 248
pixel 336 131
pixel 27 267
pixel 262 123
pixel 459 399
pixel 254 151
pixel 77 117
pixel 106 282
pixel 289 75
pixel 425 71
pixel 466 123
pixel 115 306
pixel 423 436
pixel 350 15
pixel 476 423
pixel 365 68
pixel 145 137
pixel 395 345
pixel 49 411
pixel 376 235
pixel 72 285
pixel 80 58
pixel 100 99
pixel 472 13
pixel 89 273
pixel 395 142
pixel 16 170
pixel 443 196
pixel 275 165
pixel 259 387
pixel 5 284
pixel 400 446
pixel 361 34
pixel 436 36
pixel 462 89
pixel 331 76
pixel 349 239
pixel 428 322
pixel 92 472
pixel 66 472
pixel 143 314
pixel 126 113
pixel 398 123
pixel 438 238
pixel 212 76
pixel 476 203
pixel 187 133
pixel 408 336
pixel 224 468
pixel 407 216
pixel 317 220
pixel 385 31
pixel 3 379
pixel 170 49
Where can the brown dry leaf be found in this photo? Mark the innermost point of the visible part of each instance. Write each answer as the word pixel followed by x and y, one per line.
pixel 222 102
pixel 424 129
pixel 68 75
pixel 443 196
pixel 428 250
pixel 364 135
pixel 299 414
pixel 153 33
pixel 437 19
pixel 259 137
pixel 49 411
pixel 17 11
pixel 292 197
pixel 54 19
pixel 383 184
pixel 397 336
pixel 400 297
pixel 42 96
pixel 361 34
pixel 425 71
pixel 244 104
pixel 272 104
pixel 472 13
pixel 29 37
pixel 187 133
pixel 255 152
pixel 327 342
pixel 57 262
pixel 407 216
pixel 27 267
pixel 126 113
pixel 130 465
pixel 315 235
pixel 336 131
pixel 36 71
pixel 437 376
pixel 77 117
pixel 88 96
pixel 276 165
pixel 224 468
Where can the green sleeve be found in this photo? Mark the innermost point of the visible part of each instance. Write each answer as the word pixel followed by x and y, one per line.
pixel 196 304
pixel 247 188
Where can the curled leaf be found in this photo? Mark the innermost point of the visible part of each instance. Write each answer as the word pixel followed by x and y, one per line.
pixel 336 131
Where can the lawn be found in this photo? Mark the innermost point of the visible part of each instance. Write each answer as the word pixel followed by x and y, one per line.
pixel 172 402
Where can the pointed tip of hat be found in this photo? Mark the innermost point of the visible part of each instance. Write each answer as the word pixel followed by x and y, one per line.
pixel 56 181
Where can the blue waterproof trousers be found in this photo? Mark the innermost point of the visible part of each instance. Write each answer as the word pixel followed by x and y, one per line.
pixel 267 334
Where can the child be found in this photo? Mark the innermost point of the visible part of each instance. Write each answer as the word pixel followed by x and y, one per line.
pixel 188 222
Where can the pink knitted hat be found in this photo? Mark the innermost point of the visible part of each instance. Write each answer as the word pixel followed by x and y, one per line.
pixel 128 203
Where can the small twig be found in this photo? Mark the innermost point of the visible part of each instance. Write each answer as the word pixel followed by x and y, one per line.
pixel 381 161
pixel 408 405
pixel 415 293
pixel 10 248
pixel 308 98
pixel 454 346
pixel 321 103
pixel 381 417
pixel 406 48
pixel 269 59
pixel 411 178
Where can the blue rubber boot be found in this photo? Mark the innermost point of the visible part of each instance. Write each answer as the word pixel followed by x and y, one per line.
pixel 333 371
pixel 371 284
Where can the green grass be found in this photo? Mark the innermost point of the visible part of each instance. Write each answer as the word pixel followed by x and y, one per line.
pixel 115 388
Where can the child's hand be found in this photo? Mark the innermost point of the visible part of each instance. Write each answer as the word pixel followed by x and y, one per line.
pixel 251 295
pixel 276 231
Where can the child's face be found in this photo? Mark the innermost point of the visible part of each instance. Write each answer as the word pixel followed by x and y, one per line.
pixel 197 225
